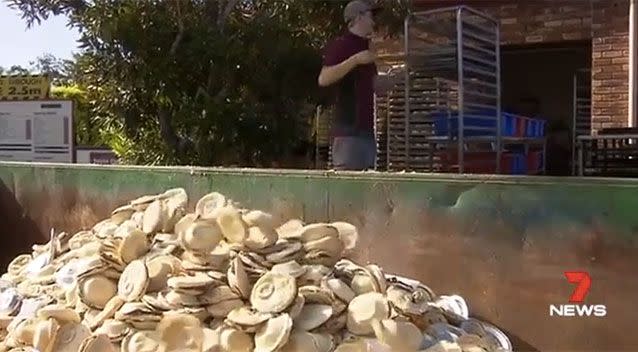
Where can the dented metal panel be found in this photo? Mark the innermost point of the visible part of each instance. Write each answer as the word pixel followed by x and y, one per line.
pixel 501 242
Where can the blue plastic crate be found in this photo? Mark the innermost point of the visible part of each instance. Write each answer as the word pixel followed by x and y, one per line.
pixel 535 128
pixel 520 164
pixel 508 125
pixel 443 122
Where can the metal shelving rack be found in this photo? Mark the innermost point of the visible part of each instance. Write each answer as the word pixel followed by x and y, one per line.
pixel 461 45
pixel 381 132
pixel 581 116
pixel 451 74
pixel 322 122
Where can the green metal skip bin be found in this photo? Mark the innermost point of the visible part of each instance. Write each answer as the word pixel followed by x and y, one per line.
pixel 503 243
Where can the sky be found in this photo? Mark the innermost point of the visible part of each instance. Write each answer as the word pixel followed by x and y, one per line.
pixel 19 45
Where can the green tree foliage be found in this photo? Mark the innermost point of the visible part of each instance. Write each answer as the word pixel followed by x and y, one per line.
pixel 14 70
pixel 202 82
pixel 87 130
pixel 60 71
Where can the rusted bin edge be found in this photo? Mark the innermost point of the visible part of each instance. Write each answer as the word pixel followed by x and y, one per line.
pixel 503 243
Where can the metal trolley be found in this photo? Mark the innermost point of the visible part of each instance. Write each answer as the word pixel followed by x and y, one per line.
pixel 460 45
pixel 452 82
pixel 581 117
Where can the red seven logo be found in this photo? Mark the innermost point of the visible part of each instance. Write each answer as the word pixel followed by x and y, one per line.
pixel 583 281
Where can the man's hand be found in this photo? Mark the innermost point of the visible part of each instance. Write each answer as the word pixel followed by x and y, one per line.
pixel 364 57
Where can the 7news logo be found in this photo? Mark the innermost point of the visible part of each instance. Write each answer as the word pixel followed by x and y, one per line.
pixel 583 284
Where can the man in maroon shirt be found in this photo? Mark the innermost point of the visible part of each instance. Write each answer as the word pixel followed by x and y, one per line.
pixel 349 66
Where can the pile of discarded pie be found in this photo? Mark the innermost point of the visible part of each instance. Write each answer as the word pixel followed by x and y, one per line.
pixel 153 277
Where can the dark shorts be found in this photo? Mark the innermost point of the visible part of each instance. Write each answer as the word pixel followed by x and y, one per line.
pixel 353 153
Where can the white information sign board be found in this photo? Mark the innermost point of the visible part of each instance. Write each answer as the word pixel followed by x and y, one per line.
pixel 38 130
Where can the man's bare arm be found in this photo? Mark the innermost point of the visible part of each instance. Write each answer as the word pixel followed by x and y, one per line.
pixel 332 74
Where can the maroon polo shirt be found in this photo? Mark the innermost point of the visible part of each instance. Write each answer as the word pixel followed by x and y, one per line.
pixel 354 93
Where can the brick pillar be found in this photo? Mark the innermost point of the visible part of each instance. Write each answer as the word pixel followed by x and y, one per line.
pixel 610 63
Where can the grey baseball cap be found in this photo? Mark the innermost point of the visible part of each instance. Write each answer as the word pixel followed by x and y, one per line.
pixel 358 7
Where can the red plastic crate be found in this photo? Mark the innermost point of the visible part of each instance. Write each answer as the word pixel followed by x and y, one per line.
pixel 534 162
pixel 521 126
pixel 507 163
pixel 478 162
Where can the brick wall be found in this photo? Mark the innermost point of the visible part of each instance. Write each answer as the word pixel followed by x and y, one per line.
pixel 543 21
pixel 604 22
pixel 610 63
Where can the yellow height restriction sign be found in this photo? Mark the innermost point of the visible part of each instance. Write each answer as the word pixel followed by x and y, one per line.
pixel 24 87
